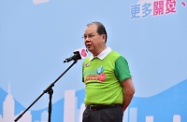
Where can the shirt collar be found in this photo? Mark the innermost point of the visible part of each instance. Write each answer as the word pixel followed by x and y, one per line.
pixel 103 54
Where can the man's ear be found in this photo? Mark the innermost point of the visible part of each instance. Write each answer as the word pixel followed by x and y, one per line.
pixel 103 36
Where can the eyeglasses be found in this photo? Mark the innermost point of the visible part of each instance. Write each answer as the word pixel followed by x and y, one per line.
pixel 88 36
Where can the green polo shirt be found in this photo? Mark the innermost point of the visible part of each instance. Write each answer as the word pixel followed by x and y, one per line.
pixel 102 78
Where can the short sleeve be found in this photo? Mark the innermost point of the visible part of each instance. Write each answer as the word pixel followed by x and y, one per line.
pixel 122 70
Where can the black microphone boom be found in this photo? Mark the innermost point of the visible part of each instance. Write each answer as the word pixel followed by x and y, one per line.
pixel 76 56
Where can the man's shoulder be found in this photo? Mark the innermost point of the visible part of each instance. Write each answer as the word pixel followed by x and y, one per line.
pixel 86 60
pixel 114 54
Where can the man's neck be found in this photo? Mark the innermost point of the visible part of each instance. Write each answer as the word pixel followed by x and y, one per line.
pixel 98 52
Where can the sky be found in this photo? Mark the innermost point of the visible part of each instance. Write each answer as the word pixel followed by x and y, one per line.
pixel 36 37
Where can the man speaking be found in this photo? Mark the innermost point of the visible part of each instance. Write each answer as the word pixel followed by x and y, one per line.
pixel 109 87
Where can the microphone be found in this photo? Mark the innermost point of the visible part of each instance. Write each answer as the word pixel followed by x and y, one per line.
pixel 78 54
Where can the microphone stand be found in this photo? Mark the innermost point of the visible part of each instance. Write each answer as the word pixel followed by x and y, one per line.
pixel 48 90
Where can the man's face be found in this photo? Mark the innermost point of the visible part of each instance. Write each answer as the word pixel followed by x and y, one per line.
pixel 93 41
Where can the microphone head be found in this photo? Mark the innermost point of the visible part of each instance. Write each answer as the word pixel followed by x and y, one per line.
pixel 82 52
pixel 78 54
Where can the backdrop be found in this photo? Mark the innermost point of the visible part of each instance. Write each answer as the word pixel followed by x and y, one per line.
pixel 37 35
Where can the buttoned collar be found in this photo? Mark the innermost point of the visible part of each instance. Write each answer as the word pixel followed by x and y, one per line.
pixel 103 54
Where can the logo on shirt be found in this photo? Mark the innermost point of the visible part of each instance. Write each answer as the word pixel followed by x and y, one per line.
pixel 96 74
pixel 100 70
pixel 87 64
